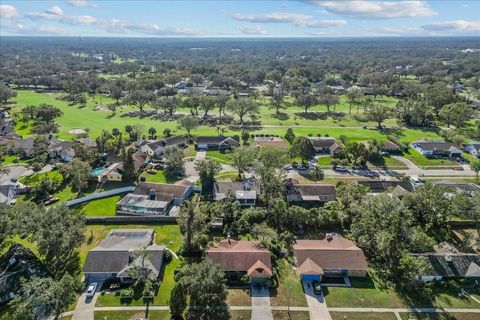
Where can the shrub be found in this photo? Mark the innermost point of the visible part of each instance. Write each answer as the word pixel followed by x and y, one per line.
pixel 127 292
pixel 168 256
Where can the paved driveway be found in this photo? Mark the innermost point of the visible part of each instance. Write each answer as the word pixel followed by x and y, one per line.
pixel 316 304
pixel 85 308
pixel 14 172
pixel 261 309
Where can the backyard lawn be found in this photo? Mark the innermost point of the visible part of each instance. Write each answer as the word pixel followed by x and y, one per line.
pixel 101 207
pixel 159 177
pixel 289 281
pixel 222 158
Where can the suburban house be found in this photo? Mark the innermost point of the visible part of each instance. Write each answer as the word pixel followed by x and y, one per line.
pixel 113 257
pixel 113 172
pixel 87 142
pixel 447 263
pixel 473 149
pixel 244 191
pixel 140 159
pixel 309 193
pixel 437 148
pixel 240 257
pixel 275 142
pixel 333 256
pixel 397 188
pixel 154 198
pixel 326 145
pixel 468 188
pixel 62 150
pixel 155 149
pixel 390 147
pixel 221 143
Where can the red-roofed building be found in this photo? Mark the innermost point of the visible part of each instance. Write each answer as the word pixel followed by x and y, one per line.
pixel 238 258
pixel 332 256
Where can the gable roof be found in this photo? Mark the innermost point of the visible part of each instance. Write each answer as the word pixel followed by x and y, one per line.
pixel 465 187
pixel 436 145
pixel 335 252
pixel 139 159
pixel 173 140
pixel 114 254
pixel 274 142
pixel 389 145
pixel 214 139
pixel 241 189
pixel 310 190
pixel 310 267
pixel 379 186
pixel 451 265
pixel 322 142
pixel 241 255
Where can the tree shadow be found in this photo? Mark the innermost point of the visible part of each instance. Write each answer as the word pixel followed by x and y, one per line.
pixel 313 115
pixel 281 116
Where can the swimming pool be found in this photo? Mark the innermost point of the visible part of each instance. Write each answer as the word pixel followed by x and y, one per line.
pixel 97 172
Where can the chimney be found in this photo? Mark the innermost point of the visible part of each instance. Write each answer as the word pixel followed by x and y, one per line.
pixel 329 237
pixel 153 194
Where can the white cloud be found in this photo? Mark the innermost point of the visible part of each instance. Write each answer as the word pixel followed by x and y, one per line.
pixel 300 20
pixel 81 3
pixel 454 27
pixel 274 17
pixel 326 23
pixel 362 9
pixel 253 30
pixel 55 11
pixel 124 27
pixel 7 11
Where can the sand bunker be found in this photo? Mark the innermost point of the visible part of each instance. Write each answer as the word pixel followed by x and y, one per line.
pixel 77 131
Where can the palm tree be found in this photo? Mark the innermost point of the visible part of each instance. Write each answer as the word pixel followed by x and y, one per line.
pixel 317 173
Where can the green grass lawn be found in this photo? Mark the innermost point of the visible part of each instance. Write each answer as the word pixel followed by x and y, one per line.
pixel 159 177
pixel 363 315
pixel 222 158
pixel 426 163
pixel 11 160
pixel 294 315
pixel 289 281
pixel 96 118
pixel 324 162
pixel 364 293
pixel 101 207
pixel 227 176
pixel 439 316
pixel 239 297
pixel 127 315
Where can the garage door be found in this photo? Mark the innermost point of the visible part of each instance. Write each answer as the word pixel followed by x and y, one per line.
pixel 310 277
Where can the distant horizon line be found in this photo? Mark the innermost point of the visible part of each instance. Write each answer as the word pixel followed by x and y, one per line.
pixel 242 37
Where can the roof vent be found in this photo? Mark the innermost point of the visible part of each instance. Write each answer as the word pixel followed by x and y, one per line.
pixel 448 258
pixel 329 236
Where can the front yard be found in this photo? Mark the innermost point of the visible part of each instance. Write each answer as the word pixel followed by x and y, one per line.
pixel 425 163
pixel 221 158
pixel 289 288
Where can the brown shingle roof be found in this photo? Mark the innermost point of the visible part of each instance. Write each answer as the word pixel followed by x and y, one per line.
pixel 233 255
pixel 311 189
pixel 270 142
pixel 337 253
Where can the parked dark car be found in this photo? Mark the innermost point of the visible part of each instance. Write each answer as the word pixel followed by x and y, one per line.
pixel 317 288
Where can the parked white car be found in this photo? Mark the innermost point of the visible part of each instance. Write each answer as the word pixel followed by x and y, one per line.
pixel 91 289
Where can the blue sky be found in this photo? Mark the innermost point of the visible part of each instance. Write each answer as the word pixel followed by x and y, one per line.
pixel 216 18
